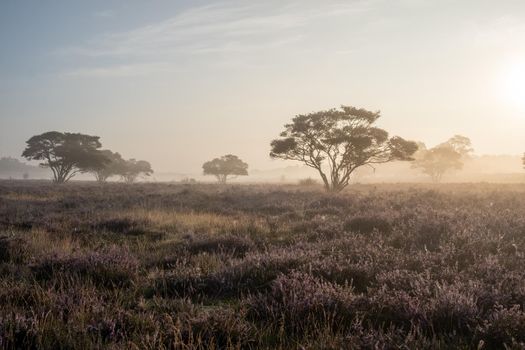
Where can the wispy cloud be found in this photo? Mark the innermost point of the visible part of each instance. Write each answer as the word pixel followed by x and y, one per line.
pixel 128 70
pixel 211 29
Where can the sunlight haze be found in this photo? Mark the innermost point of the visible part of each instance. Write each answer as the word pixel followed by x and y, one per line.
pixel 181 82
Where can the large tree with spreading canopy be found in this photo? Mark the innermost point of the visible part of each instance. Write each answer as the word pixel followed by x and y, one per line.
pixel 336 142
pixel 66 154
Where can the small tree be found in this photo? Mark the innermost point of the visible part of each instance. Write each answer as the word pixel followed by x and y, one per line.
pixel 437 161
pixel 131 169
pixel 222 168
pixel 443 158
pixel 336 142
pixel 66 154
pixel 115 165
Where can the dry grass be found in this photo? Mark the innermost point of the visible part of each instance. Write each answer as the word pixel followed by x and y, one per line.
pixel 42 243
pixel 194 222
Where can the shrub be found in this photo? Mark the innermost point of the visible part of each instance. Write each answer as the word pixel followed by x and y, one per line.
pixel 252 274
pixel 299 302
pixel 504 326
pixel 217 327
pixel 122 225
pixel 308 182
pixel 430 235
pixel 367 224
pixel 112 267
pixel 13 250
pixel 229 244
pixel 453 310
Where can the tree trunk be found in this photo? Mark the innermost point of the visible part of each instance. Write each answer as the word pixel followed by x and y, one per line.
pixel 336 187
pixel 221 178
pixel 325 180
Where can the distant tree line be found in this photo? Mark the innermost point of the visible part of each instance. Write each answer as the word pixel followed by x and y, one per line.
pixel 68 154
pixel 334 142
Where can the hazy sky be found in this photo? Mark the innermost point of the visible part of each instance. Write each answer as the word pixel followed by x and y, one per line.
pixel 180 82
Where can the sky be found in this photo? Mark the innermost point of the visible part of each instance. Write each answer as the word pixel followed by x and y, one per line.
pixel 180 82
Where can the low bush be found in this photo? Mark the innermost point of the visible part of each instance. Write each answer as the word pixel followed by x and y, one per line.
pixel 366 224
pixel 114 267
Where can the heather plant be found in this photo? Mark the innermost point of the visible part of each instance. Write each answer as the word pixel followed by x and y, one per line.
pixel 504 326
pixel 122 225
pixel 367 224
pixel 112 267
pixel 13 249
pixel 236 246
pixel 298 301
pixel 241 277
pixel 167 266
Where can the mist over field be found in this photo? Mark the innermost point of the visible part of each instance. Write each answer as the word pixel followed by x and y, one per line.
pixel 180 82
pixel 292 174
pixel 496 168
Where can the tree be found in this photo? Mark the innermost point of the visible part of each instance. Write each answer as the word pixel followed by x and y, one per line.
pixel 66 154
pixel 228 165
pixel 445 157
pixel 336 142
pixel 115 165
pixel 131 169
pixel 437 161
pixel 460 144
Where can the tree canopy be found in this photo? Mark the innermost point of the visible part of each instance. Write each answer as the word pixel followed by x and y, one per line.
pixel 336 142
pixel 443 158
pixel 225 166
pixel 66 154
pixel 460 144
pixel 114 166
pixel 130 170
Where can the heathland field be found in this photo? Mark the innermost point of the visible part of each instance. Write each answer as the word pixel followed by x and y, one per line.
pixel 159 266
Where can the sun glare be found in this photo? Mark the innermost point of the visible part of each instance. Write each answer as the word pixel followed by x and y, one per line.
pixel 514 84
